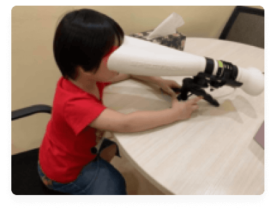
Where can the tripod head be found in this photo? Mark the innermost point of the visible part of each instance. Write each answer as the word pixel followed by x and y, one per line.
pixel 202 80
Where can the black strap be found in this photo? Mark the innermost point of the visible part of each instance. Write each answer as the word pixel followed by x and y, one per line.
pixel 209 66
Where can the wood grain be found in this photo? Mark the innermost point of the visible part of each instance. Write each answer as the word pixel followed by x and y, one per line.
pixel 211 153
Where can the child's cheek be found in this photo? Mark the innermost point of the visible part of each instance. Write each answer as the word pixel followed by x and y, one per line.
pixel 105 60
pixel 106 57
pixel 104 63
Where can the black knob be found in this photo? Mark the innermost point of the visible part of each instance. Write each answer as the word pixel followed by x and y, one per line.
pixel 94 150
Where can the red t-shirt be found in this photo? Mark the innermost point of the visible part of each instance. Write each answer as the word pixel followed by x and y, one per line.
pixel 68 140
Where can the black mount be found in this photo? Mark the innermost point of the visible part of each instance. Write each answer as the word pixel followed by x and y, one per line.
pixel 195 85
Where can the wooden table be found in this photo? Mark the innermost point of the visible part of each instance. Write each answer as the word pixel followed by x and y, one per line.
pixel 211 153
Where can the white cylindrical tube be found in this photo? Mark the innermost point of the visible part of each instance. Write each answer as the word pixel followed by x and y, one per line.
pixel 140 57
pixel 252 79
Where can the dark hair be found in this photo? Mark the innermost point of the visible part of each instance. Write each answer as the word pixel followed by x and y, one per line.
pixel 82 38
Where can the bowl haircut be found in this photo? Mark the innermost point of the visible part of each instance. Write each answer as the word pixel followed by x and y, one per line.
pixel 82 38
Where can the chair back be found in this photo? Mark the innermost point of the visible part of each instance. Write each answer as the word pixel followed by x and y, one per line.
pixel 25 179
pixel 246 25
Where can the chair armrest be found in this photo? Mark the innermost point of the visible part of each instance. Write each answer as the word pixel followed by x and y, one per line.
pixel 21 113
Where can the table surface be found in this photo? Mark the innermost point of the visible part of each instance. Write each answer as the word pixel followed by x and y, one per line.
pixel 213 152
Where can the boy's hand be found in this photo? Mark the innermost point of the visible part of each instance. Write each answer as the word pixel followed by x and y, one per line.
pixel 185 109
pixel 167 85
pixel 99 135
pixel 108 153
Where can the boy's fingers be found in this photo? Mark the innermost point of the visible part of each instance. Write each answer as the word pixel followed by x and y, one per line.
pixel 174 98
pixel 174 95
pixel 170 92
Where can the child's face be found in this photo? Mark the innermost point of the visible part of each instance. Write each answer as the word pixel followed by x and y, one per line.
pixel 103 74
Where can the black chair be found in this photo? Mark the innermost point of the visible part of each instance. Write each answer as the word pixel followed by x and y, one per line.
pixel 25 179
pixel 246 25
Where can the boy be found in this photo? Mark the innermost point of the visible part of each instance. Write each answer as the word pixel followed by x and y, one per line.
pixel 83 41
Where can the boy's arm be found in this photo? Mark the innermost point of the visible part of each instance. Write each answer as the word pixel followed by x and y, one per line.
pixel 151 79
pixel 120 77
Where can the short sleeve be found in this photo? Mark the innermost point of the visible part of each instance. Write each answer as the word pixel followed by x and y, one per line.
pixel 79 113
